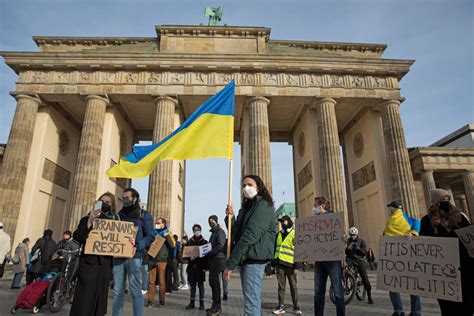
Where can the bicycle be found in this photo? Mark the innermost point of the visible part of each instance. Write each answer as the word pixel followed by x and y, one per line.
pixel 61 289
pixel 348 284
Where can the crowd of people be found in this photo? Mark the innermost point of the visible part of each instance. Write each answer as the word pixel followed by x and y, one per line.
pixel 254 244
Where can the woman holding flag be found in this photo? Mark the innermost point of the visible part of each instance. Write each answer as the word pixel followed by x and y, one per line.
pixel 252 243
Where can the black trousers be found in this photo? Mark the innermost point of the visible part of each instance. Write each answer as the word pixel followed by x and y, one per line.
pixel 216 266
pixel 363 273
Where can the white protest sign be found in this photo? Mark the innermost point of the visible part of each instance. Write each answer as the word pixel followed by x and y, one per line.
pixel 424 266
pixel 466 235
pixel 204 249
pixel 320 237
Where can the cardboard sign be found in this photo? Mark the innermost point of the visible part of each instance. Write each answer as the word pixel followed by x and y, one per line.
pixel 111 238
pixel 424 266
pixel 204 249
pixel 191 252
pixel 466 235
pixel 156 246
pixel 320 238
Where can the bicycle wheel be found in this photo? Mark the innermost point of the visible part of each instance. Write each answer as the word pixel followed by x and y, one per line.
pixel 57 292
pixel 348 287
pixel 360 292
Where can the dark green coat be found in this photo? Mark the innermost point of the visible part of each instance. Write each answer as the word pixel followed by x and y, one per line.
pixel 256 238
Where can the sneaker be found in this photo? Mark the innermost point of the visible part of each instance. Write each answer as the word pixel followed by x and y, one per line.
pixel 225 297
pixel 370 300
pixel 149 304
pixel 297 310
pixel 144 292
pixel 279 310
pixel 162 302
pixel 185 287
pixel 157 287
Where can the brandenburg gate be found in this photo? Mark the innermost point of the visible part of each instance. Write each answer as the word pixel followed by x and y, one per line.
pixel 82 102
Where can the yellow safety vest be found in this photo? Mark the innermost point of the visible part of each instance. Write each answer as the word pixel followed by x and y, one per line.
pixel 285 249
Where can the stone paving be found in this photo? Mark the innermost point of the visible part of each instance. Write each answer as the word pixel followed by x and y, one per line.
pixel 176 301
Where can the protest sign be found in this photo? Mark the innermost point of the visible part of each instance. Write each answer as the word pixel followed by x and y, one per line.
pixel 204 249
pixel 424 266
pixel 466 235
pixel 156 246
pixel 111 238
pixel 320 237
pixel 191 252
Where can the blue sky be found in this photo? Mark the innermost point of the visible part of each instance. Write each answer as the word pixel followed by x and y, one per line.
pixel 438 34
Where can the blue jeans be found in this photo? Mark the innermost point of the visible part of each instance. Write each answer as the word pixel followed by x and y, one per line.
pixel 321 272
pixel 397 304
pixel 225 286
pixel 200 285
pixel 133 269
pixel 144 277
pixel 17 279
pixel 251 277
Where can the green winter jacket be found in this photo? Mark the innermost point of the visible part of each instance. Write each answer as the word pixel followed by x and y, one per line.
pixel 253 234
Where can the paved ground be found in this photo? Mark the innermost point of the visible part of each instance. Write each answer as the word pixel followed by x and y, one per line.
pixel 176 301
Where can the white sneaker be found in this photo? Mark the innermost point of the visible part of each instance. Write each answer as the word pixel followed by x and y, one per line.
pixel 144 292
pixel 279 310
pixel 185 287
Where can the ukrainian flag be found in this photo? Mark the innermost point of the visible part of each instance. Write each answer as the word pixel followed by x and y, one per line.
pixel 207 133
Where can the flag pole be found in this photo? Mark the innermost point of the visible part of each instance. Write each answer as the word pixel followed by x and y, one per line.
pixel 229 218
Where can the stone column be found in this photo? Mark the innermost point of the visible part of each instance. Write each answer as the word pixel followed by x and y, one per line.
pixel 259 140
pixel 428 185
pixel 403 186
pixel 463 203
pixel 332 183
pixel 468 177
pixel 84 190
pixel 160 183
pixel 15 160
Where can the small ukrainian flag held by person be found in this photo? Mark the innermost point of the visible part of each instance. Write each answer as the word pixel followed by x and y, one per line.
pixel 207 133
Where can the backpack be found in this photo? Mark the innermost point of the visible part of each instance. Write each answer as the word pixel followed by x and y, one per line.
pixel 16 259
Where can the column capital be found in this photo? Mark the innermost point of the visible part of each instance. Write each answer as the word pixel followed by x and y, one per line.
pixel 98 97
pixel 168 98
pixel 33 97
pixel 386 103
pixel 256 98
pixel 320 101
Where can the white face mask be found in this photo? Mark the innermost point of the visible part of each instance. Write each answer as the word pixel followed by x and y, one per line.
pixel 249 192
pixel 197 233
pixel 315 210
pixel 158 226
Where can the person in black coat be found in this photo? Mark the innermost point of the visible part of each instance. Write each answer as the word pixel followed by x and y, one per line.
pixel 215 263
pixel 45 247
pixel 196 269
pixel 442 220
pixel 95 272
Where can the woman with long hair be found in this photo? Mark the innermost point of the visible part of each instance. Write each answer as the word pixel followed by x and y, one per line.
pixel 253 240
pixel 442 220
pixel 95 272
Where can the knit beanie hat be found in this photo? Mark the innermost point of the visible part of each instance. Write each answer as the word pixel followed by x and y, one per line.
pixel 437 195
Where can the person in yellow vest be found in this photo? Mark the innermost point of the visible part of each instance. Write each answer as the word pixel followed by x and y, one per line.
pixel 286 268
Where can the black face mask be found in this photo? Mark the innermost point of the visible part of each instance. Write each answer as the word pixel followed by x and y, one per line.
pixel 106 208
pixel 284 227
pixel 445 206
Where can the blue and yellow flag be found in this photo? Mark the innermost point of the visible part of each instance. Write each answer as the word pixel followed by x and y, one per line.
pixel 207 133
